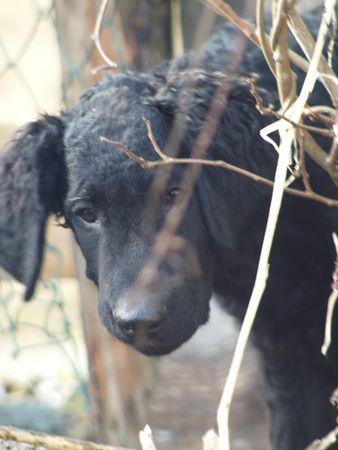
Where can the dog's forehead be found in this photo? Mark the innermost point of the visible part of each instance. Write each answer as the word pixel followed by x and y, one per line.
pixel 103 167
pixel 115 110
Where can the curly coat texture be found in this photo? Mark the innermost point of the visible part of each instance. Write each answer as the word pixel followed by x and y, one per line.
pixel 59 165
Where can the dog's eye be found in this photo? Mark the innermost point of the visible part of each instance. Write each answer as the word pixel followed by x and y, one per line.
pixel 171 197
pixel 87 215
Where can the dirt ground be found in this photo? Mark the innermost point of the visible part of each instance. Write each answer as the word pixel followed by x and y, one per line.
pixel 191 380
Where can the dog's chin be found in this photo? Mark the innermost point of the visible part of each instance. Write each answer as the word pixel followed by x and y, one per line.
pixel 156 350
pixel 161 346
pixel 148 347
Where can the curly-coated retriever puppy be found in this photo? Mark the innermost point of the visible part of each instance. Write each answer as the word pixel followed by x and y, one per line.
pixel 154 292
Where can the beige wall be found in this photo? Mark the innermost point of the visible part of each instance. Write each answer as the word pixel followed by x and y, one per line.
pixel 38 69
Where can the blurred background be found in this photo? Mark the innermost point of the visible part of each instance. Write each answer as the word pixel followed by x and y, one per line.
pixel 60 372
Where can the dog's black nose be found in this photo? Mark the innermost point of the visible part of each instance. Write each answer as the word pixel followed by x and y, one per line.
pixel 142 323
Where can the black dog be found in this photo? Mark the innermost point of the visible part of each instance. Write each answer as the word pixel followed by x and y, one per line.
pixel 154 294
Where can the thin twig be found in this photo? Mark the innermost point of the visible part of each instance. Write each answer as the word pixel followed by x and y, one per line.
pixel 167 160
pixel 324 443
pixel 269 111
pixel 323 114
pixel 287 137
pixel 310 145
pixel 263 40
pixel 318 155
pixel 332 157
pixel 96 38
pixel 331 44
pixel 152 139
pixel 306 42
pixel 331 302
pixel 146 439
pixel 285 77
pixel 210 440
pixel 224 10
pixel 304 172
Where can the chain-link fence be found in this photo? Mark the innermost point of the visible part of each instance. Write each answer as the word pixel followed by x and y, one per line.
pixel 43 362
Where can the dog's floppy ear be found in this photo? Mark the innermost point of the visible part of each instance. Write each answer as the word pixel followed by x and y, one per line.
pixel 32 185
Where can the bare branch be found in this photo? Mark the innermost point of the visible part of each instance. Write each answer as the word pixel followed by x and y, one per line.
pixel 166 160
pixel 152 139
pixel 331 44
pixel 332 158
pixel 146 439
pixel 310 145
pixel 263 40
pixel 306 42
pixel 268 110
pixel 50 442
pixel 332 301
pixel 326 442
pixel 143 163
pixel 285 77
pixel 96 38
pixel 322 113
pixel 210 440
pixel 304 172
pixel 224 10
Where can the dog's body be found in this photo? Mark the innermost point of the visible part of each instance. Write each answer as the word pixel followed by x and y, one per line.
pixel 116 208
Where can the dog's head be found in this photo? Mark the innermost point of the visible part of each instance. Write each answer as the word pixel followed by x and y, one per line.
pixel 147 234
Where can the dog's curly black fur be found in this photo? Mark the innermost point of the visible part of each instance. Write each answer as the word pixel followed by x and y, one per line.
pixel 59 165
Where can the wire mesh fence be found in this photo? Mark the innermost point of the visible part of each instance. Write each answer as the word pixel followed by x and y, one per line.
pixel 43 362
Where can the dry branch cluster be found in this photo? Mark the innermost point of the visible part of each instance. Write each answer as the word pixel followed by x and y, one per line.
pixel 292 125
